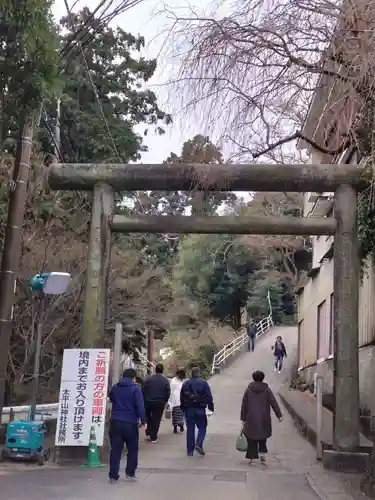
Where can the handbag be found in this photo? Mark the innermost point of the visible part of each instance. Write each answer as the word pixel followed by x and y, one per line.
pixel 168 413
pixel 241 443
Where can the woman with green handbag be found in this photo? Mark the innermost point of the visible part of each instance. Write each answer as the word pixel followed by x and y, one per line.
pixel 241 442
pixel 256 416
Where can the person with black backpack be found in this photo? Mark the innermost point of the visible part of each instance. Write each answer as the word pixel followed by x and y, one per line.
pixel 196 397
pixel 251 335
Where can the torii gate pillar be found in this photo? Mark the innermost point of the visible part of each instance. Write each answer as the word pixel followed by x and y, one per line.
pixel 98 265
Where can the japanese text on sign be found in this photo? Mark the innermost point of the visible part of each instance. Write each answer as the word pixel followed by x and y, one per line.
pixel 83 396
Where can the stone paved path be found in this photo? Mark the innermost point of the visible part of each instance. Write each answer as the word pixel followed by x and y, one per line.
pixel 166 472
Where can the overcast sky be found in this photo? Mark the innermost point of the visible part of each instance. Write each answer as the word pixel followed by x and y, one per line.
pixel 145 19
pixel 149 20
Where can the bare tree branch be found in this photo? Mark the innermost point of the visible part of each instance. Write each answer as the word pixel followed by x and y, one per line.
pixel 299 135
pixel 252 73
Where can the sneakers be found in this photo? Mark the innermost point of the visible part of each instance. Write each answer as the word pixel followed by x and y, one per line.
pixel 262 458
pixel 131 478
pixel 148 439
pixel 200 450
pixel 154 442
pixel 190 454
pixel 113 481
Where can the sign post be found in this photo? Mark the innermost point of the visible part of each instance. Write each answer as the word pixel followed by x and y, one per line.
pixel 83 396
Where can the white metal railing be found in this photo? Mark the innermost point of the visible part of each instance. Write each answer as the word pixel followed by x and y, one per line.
pixel 48 411
pixel 146 362
pixel 264 325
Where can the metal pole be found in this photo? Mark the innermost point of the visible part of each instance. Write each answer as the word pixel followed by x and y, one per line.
pixel 319 408
pixel 150 350
pixel 57 129
pixel 38 348
pixel 116 362
pixel 269 303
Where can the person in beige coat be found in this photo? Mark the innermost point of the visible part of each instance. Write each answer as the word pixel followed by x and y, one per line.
pixel 257 402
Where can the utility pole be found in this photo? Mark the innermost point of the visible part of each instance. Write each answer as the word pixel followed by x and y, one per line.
pixel 12 246
pixel 58 130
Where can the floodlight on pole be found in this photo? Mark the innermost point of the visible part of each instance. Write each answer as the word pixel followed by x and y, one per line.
pixel 43 284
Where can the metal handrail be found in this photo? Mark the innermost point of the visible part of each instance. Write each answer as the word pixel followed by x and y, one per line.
pixel 264 325
pixel 49 411
pixel 146 361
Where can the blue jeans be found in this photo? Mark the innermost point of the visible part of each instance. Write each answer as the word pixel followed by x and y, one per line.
pixel 195 417
pixel 121 433
pixel 279 358
pixel 250 343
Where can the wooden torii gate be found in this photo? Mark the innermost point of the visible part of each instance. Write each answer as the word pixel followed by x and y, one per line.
pixel 344 180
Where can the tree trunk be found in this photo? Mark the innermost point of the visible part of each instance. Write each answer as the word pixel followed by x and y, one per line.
pixel 13 246
pixel 237 317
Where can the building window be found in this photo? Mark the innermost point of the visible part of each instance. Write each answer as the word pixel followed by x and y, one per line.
pixel 323 346
pixel 331 331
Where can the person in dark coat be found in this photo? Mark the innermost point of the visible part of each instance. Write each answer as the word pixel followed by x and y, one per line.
pixel 128 413
pixel 156 392
pixel 279 351
pixel 257 402
pixel 251 335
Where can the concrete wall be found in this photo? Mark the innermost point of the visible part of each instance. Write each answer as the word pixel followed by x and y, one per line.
pixel 366 379
pixel 317 293
pixel 315 305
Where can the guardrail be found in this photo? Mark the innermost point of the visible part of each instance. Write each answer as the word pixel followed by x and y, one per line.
pixel 43 412
pixel 47 411
pixel 146 362
pixel 238 342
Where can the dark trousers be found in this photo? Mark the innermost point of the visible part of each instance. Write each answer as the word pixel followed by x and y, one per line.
pixel 279 362
pixel 154 413
pixel 121 433
pixel 254 447
pixel 251 344
pixel 195 417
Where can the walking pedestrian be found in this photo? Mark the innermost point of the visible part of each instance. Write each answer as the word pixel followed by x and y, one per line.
pixel 251 335
pixel 178 417
pixel 196 397
pixel 156 391
pixel 128 413
pixel 279 352
pixel 257 402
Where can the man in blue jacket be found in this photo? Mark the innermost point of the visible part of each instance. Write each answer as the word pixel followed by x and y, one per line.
pixel 196 396
pixel 128 414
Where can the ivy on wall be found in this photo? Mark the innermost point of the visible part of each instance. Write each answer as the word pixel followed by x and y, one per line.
pixel 366 224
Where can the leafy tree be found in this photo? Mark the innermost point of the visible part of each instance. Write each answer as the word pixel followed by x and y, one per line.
pixel 199 149
pixel 290 255
pixel 262 282
pixel 28 64
pixel 103 94
pixel 215 270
